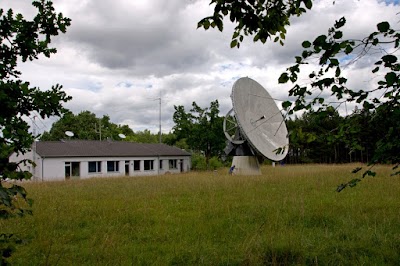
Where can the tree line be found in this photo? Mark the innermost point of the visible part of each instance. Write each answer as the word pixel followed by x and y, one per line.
pixel 266 21
pixel 314 137
pixel 327 137
pixel 198 130
pixel 86 126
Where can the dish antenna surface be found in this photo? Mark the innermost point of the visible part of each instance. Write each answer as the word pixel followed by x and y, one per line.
pixel 122 136
pixel 254 127
pixel 69 133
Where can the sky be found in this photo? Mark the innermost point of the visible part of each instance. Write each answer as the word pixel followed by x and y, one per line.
pixel 120 57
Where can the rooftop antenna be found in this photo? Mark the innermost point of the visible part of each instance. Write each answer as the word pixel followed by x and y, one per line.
pixel 70 134
pixel 254 127
pixel 95 128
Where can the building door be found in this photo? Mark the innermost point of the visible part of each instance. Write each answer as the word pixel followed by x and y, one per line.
pixel 67 170
pixel 181 164
pixel 72 170
pixel 127 168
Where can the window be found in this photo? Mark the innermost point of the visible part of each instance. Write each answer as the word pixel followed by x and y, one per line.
pixel 161 163
pixel 94 167
pixel 113 166
pixel 148 164
pixel 71 170
pixel 172 164
pixel 136 165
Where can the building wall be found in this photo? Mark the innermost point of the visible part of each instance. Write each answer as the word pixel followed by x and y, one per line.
pixel 24 167
pixel 55 168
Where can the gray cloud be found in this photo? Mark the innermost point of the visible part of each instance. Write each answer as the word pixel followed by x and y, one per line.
pixel 119 56
pixel 161 39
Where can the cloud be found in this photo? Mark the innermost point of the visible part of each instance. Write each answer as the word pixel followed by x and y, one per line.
pixel 119 57
pixel 156 37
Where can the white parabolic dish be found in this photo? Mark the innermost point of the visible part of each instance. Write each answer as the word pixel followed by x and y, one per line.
pixel 259 119
pixel 69 133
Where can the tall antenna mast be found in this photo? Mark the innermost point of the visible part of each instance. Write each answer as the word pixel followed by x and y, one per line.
pixel 95 128
pixel 159 134
pixel 159 116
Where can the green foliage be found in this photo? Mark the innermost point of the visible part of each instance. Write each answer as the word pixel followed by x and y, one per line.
pixel 378 137
pixel 169 139
pixel 144 136
pixel 312 138
pixel 87 126
pixel 326 137
pixel 10 207
pixel 261 19
pixel 201 129
pixel 198 162
pixel 22 40
pixel 215 163
pixel 25 40
pixel 331 51
pixel 182 144
pixel 7 247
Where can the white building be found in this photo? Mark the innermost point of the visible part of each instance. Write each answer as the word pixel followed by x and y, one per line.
pixel 74 159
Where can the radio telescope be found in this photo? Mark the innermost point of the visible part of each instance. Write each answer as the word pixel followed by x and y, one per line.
pixel 254 127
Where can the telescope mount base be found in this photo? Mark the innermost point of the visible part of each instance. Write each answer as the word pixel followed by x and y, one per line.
pixel 246 165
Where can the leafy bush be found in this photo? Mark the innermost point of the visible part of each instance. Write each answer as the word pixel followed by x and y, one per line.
pixel 215 163
pixel 198 162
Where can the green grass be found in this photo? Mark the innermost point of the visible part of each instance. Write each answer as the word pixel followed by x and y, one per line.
pixel 289 215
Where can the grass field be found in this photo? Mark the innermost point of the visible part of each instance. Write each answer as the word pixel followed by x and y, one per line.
pixel 289 215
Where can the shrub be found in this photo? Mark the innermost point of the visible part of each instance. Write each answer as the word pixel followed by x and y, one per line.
pixel 198 162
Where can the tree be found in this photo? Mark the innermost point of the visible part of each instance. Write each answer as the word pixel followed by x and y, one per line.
pixel 144 136
pixel 200 129
pixel 330 49
pixel 23 40
pixel 86 126
pixel 263 19
pixel 82 125
pixel 359 135
pixel 326 137
pixel 266 19
pixel 310 137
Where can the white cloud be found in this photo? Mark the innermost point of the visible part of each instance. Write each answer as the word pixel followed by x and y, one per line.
pixel 119 56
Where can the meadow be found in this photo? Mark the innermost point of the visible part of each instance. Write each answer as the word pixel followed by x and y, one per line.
pixel 290 215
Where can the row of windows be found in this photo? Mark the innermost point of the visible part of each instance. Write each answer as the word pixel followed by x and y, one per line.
pixel 113 166
pixel 173 164
pixel 72 169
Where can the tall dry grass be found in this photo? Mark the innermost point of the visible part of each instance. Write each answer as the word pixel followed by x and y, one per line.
pixel 288 215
